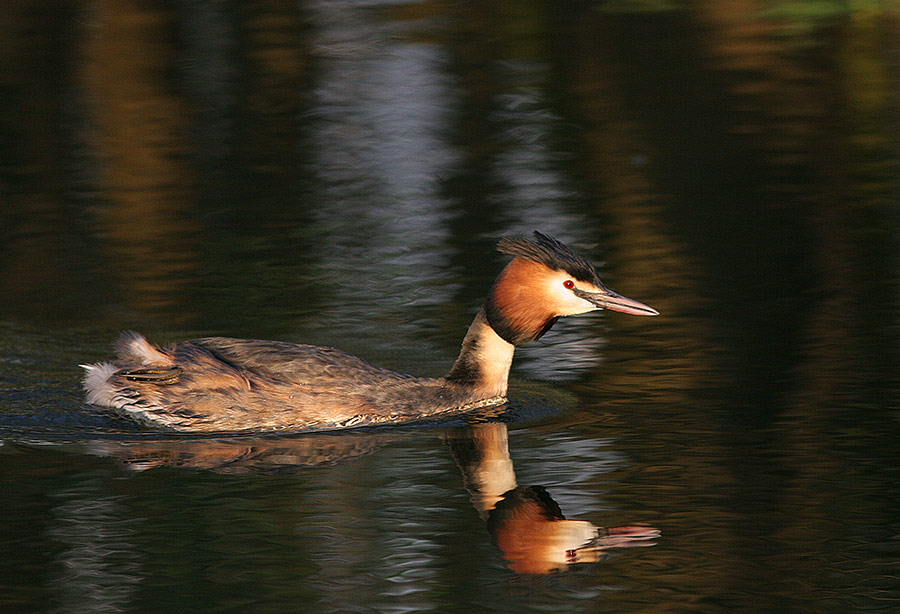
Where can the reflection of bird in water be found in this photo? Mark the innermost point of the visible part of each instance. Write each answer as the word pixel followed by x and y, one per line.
pixel 220 384
pixel 526 523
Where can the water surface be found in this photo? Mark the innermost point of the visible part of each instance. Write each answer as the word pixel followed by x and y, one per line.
pixel 338 173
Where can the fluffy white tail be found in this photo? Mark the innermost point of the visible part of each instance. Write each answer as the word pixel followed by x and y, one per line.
pixel 96 383
pixel 134 351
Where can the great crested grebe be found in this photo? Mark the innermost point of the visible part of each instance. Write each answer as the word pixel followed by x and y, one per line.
pixel 217 384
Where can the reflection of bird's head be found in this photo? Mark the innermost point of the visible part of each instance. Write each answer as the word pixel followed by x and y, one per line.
pixel 532 533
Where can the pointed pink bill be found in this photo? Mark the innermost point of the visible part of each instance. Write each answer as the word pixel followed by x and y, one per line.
pixel 607 299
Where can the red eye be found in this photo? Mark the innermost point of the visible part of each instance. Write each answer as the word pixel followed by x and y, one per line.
pixel 569 284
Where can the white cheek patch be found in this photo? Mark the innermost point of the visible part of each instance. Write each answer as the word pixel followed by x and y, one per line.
pixel 576 305
pixel 566 303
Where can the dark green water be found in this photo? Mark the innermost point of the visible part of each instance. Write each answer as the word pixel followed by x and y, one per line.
pixel 338 173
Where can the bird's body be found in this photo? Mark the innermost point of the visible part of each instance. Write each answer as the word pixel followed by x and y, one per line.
pixel 218 384
pixel 222 384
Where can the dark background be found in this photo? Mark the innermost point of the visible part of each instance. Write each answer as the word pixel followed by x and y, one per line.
pixel 338 173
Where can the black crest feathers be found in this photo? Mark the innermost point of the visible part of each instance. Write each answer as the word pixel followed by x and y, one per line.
pixel 551 253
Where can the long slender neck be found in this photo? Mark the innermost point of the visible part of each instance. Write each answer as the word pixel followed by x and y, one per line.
pixel 484 360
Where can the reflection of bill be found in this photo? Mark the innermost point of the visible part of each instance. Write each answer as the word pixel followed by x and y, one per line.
pixel 525 522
